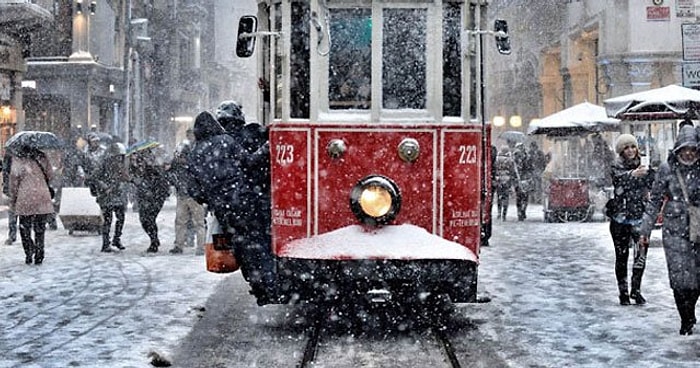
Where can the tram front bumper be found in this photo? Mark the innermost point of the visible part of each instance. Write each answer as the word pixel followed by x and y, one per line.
pixel 333 280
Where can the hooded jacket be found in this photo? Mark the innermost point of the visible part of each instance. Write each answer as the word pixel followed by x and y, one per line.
pixel 215 168
pixel 682 256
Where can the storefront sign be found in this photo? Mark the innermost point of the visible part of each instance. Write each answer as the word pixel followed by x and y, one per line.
pixel 685 8
pixel 658 13
pixel 691 75
pixel 691 41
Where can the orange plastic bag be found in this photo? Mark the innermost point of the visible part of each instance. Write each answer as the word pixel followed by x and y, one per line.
pixel 218 252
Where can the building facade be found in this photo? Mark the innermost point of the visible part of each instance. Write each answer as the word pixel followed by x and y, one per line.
pixel 18 22
pixel 135 69
pixel 568 52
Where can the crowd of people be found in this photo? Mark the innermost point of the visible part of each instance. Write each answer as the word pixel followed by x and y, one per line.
pixel 235 188
pixel 518 169
pixel 641 192
pixel 222 167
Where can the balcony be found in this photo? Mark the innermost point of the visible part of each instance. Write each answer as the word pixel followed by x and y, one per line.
pixel 20 15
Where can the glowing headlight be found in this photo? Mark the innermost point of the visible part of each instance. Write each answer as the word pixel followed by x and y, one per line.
pixel 375 200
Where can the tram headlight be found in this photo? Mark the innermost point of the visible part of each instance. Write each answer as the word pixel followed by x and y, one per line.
pixel 375 200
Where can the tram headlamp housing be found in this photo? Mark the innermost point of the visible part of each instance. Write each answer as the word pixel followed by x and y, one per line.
pixel 375 200
pixel 336 148
pixel 409 149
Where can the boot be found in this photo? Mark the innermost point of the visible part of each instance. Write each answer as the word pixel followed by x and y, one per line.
pixel 624 295
pixel 687 327
pixel 176 250
pixel 636 292
pixel 117 243
pixel 28 246
pixel 105 244
pixel 39 256
pixel 154 247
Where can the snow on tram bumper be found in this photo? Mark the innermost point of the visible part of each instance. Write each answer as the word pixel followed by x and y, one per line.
pixel 402 259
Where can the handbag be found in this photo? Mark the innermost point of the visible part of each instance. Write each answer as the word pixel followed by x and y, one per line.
pixel 525 185
pixel 611 207
pixel 693 213
pixel 52 192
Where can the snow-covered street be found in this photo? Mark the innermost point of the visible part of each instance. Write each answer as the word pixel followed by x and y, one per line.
pixel 554 304
pixel 84 308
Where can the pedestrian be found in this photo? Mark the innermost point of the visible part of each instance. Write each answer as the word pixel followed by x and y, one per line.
pixel 601 156
pixel 252 137
pixel 12 219
pixel 30 200
pixel 189 215
pixel 152 189
pixel 216 166
pixel 632 182
pixel 92 156
pixel 677 185
pixel 110 181
pixel 524 179
pixel 487 198
pixel 505 174
pixel 539 162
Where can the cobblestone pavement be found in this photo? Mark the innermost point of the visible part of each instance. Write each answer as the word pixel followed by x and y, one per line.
pixel 84 308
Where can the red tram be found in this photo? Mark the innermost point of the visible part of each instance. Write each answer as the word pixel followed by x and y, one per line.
pixel 379 167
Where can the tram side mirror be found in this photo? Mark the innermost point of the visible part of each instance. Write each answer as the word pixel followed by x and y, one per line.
pixel 502 39
pixel 245 42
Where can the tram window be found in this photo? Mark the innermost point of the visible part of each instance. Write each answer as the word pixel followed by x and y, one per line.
pixel 299 59
pixel 350 59
pixel 404 59
pixel 452 62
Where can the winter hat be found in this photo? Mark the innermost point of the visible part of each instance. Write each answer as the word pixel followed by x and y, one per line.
pixel 686 138
pixel 623 141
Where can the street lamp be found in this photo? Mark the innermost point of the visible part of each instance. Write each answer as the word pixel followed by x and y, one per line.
pixel 499 121
pixel 79 7
pixel 515 121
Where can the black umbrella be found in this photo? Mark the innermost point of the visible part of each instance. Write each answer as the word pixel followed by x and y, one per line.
pixel 33 140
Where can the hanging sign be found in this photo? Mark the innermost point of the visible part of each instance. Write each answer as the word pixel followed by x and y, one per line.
pixel 691 41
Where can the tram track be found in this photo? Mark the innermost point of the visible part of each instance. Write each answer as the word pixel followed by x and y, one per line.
pixel 434 327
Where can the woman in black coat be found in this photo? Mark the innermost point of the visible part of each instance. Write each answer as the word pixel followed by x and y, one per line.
pixel 152 189
pixel 682 255
pixel 632 182
pixel 110 183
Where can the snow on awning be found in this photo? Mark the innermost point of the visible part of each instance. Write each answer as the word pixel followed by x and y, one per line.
pixel 582 118
pixel 670 102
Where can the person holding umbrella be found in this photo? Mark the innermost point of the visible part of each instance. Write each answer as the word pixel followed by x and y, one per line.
pixel 30 199
pixel 152 187
pixel 110 182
